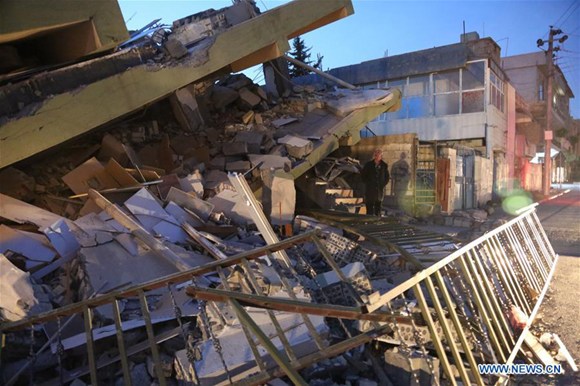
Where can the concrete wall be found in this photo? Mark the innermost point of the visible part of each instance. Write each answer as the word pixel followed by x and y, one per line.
pixel 450 154
pixel 511 131
pixel 393 146
pixel 500 179
pixel 534 178
pixel 483 180
pixel 22 19
pixel 497 130
pixel 523 73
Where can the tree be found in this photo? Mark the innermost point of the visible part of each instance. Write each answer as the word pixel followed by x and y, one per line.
pixel 302 53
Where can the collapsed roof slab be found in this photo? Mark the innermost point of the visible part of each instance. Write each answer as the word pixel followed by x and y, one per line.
pixel 69 114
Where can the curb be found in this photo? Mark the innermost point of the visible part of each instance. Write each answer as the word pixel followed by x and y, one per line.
pixel 554 196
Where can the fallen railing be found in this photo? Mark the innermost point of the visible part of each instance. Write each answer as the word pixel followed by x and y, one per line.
pixel 472 303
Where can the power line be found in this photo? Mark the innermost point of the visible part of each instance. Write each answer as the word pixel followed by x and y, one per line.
pixel 571 13
pixel 565 12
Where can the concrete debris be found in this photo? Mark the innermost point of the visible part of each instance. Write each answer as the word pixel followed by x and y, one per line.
pixel 35 251
pixel 20 296
pixel 297 147
pixel 154 223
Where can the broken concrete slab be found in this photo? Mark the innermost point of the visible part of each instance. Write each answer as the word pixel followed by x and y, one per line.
pixel 186 109
pixel 111 265
pixel 235 148
pixel 238 166
pixel 80 179
pixel 248 98
pixel 19 298
pixel 94 230
pixel 148 210
pixel 345 101
pixel 269 161
pixel 297 147
pixel 198 206
pixel 237 353
pixel 401 366
pixel 182 216
pixel 217 163
pixel 216 180
pixel 193 183
pixel 253 139
pixel 227 202
pixel 35 251
pixel 223 96
pixel 93 175
pixel 170 231
pixel 283 121
pixel 62 239
pixel 278 198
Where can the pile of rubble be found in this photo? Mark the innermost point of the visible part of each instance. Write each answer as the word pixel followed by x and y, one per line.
pixel 153 196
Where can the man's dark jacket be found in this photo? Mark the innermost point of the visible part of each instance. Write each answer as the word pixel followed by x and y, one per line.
pixel 375 178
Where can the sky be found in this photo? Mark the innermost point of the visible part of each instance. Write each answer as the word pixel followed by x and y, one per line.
pixel 381 28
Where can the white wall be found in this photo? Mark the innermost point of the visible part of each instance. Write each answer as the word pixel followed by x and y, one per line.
pixel 460 126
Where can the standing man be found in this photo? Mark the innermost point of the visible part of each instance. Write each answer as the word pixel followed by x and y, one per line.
pixel 375 175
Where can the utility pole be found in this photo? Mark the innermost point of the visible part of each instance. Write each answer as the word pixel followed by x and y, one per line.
pixel 548 133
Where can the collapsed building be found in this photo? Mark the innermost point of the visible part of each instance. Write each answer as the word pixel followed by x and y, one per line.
pixel 179 257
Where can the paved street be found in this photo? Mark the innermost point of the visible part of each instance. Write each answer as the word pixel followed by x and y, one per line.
pixel 560 311
pixel 560 218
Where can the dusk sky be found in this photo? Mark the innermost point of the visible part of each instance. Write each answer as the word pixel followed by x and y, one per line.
pixel 380 27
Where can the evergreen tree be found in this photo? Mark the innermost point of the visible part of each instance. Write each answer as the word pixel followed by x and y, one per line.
pixel 302 53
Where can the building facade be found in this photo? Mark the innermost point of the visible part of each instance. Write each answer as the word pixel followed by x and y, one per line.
pixel 455 98
pixel 528 73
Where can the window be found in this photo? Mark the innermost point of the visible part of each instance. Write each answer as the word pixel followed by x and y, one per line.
pixel 399 84
pixel 496 93
pixel 473 87
pixel 447 90
pixel 417 95
pixel 541 91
